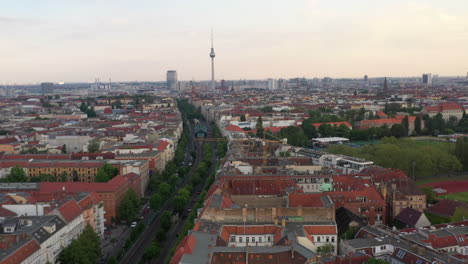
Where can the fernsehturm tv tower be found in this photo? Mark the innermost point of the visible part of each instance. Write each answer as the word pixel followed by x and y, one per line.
pixel 212 56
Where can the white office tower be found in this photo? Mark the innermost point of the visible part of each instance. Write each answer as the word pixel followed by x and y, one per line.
pixel 427 78
pixel 272 84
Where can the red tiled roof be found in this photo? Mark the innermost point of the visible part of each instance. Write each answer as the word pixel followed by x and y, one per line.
pixel 21 254
pixel 381 114
pixel 186 246
pixel 443 107
pixel 70 210
pixel 341 198
pixel 321 230
pixel 260 187
pixel 5 212
pixel 109 186
pixel 8 140
pixel 305 200
pixel 162 145
pixel 234 128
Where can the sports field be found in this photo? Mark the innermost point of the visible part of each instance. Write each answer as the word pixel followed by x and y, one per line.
pixel 461 196
pixel 451 187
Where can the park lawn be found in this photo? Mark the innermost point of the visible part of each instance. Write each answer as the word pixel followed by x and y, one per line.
pixel 441 179
pixel 462 196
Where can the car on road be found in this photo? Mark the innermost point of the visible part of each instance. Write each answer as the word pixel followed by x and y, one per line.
pixel 190 164
pixel 133 224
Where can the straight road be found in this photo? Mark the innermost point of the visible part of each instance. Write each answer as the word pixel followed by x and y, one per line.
pixel 176 230
pixel 136 252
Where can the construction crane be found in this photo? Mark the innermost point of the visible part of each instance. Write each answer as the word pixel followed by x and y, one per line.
pixel 265 145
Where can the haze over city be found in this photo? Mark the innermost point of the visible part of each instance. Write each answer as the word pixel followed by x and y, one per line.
pixel 75 41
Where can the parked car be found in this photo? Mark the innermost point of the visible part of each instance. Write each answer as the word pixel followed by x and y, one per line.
pixel 133 224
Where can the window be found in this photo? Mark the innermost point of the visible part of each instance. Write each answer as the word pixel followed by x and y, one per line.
pixel 333 239
pixel 247 239
pixel 269 238
pixel 233 239
pixel 260 240
pixel 328 239
pixel 401 254
pixel 318 239
pixel 240 239
pixel 382 247
pixel 253 239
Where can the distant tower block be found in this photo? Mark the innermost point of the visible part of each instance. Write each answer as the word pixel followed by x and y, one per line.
pixel 366 78
pixel 171 78
pixel 385 87
pixel 212 56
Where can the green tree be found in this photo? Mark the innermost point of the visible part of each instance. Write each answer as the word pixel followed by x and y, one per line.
pixel 417 125
pixel 64 149
pixel 398 130
pixel 343 131
pixel 112 260
pixel 164 189
pixel 129 206
pixel 295 135
pixel 16 174
pixel 461 151
pixel 430 194
pixel 376 261
pixel 309 129
pixel 106 173
pixel 93 146
pixel 83 107
pixel 242 118
pixel 117 104
pixel 84 250
pixel 91 113
pixel 325 249
pixel 156 200
pixel 64 176
pixel 259 126
pixel 152 251
pixel 405 124
pixel 166 220
pixel 326 130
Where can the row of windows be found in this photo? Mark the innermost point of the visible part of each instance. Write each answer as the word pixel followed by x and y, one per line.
pixel 327 239
pixel 249 239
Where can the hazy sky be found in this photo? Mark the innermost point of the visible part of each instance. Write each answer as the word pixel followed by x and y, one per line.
pixel 127 40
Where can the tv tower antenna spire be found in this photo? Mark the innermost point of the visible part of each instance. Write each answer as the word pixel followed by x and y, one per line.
pixel 212 56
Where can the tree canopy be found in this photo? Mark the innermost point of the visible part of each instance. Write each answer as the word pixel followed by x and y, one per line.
pixel 129 206
pixel 16 174
pixel 84 250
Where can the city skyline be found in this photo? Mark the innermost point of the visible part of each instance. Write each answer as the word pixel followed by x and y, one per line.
pixel 79 40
